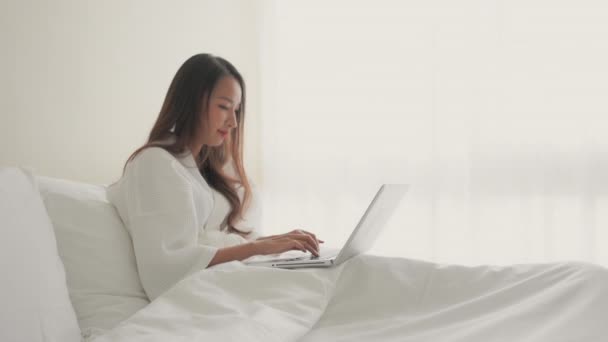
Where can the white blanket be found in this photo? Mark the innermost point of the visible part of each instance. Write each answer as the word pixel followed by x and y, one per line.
pixel 379 299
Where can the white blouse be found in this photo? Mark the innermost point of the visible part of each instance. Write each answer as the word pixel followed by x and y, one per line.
pixel 174 217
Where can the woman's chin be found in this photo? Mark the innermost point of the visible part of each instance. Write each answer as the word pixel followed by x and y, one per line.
pixel 217 143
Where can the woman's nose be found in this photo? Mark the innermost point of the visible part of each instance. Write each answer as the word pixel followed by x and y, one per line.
pixel 232 120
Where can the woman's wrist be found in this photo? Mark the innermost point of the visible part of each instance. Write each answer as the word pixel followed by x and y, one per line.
pixel 253 248
pixel 265 237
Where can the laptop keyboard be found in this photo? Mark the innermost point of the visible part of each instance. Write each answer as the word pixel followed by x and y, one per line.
pixel 308 257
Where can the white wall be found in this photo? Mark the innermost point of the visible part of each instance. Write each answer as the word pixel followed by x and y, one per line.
pixel 83 81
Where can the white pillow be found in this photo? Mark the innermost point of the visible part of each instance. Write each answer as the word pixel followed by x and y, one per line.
pixel 97 253
pixel 34 302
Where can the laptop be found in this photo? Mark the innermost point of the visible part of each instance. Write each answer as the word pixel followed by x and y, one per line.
pixel 361 239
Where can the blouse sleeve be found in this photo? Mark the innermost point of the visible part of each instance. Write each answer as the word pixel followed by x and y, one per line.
pixel 163 221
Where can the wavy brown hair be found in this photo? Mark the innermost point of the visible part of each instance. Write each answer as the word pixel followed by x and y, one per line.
pixel 181 116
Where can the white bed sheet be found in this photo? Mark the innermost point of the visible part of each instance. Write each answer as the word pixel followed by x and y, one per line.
pixel 379 299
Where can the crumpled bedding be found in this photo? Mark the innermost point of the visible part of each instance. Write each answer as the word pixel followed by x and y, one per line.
pixel 372 298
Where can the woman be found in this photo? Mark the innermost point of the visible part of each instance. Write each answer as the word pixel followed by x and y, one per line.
pixel 184 196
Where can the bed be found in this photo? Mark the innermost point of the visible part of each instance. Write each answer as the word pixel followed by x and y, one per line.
pixel 379 299
pixel 368 298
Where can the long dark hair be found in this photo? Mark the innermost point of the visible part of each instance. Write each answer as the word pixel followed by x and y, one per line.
pixel 180 118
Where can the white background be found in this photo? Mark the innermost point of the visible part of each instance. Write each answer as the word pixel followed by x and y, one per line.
pixel 494 111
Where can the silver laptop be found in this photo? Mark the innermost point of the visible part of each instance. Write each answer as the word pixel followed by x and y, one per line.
pixel 361 239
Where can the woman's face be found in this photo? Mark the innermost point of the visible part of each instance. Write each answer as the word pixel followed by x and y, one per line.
pixel 224 102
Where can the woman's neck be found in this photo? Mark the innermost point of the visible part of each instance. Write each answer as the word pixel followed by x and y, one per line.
pixel 196 151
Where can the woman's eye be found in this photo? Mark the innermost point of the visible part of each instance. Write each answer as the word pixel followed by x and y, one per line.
pixel 224 107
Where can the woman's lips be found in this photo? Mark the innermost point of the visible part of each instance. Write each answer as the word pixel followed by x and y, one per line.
pixel 223 133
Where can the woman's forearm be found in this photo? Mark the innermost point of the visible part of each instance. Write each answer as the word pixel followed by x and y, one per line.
pixel 238 252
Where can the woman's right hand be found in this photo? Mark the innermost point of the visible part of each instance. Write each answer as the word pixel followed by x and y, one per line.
pixel 295 240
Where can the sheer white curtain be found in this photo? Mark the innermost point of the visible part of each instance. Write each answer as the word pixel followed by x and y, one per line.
pixel 495 112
